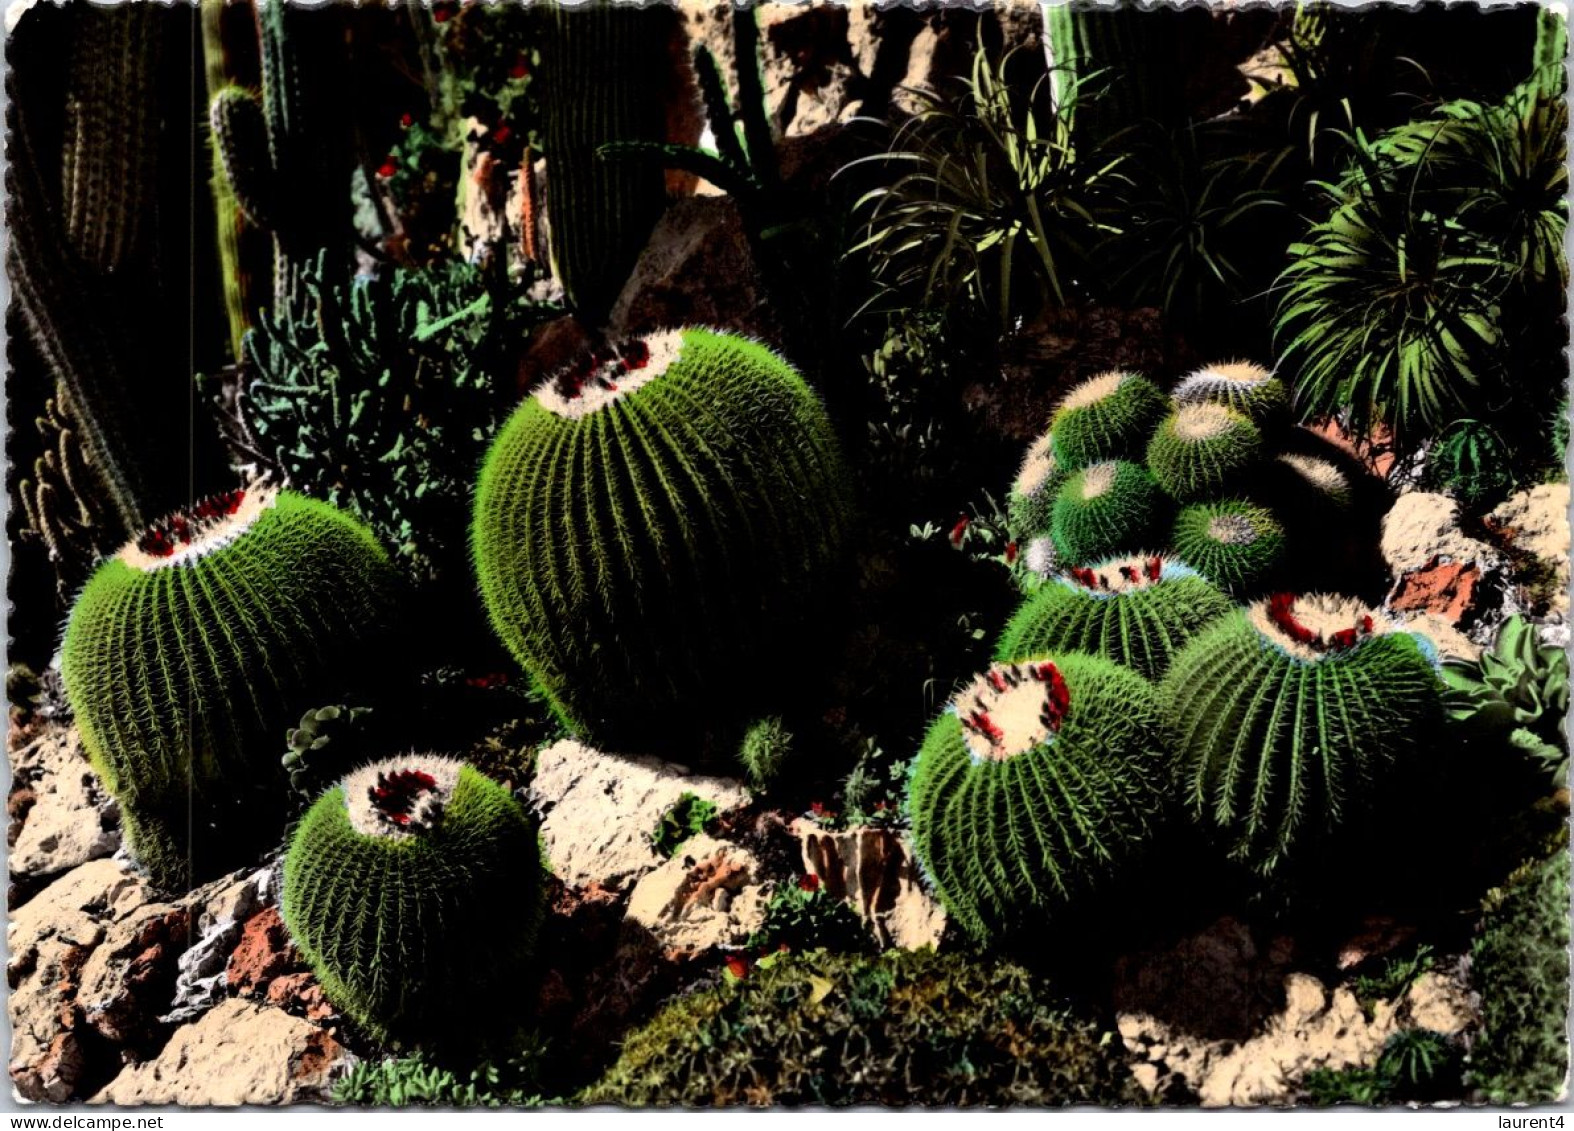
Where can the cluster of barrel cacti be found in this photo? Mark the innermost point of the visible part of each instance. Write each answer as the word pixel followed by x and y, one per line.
pixel 1203 474
pixel 651 530
pixel 1130 690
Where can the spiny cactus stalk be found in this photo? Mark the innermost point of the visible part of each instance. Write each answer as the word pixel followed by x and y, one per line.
pixel 413 889
pixel 191 650
pixel 1201 449
pixel 1103 510
pixel 1040 779
pixel 1107 417
pixel 1033 492
pixel 1234 544
pixel 1471 462
pixel 1137 611
pixel 1249 389
pixel 1288 715
pixel 600 83
pixel 288 155
pixel 650 527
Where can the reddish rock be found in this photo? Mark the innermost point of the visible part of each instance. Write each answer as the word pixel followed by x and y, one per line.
pixel 264 953
pixel 1443 589
pixel 302 995
pixel 130 978
pixel 1375 451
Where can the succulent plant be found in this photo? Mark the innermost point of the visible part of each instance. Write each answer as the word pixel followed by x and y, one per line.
pixel 1317 482
pixel 1233 543
pixel 1287 715
pixel 1102 510
pixel 1471 462
pixel 765 749
pixel 649 527
pixel 1202 449
pixel 189 651
pixel 1137 611
pixel 305 760
pixel 1249 389
pixel 1039 780
pixel 1033 492
pixel 905 1027
pixel 414 890
pixel 1519 691
pixel 1107 417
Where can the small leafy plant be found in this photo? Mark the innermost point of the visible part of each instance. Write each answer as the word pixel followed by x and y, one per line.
pixel 687 818
pixel 805 916
pixel 1518 692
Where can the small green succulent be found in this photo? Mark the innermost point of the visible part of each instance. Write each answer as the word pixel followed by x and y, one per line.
pixel 305 760
pixel 687 818
pixel 1518 690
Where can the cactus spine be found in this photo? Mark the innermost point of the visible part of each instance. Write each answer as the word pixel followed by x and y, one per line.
pixel 1288 714
pixel 1234 544
pixel 1103 510
pixel 189 652
pixel 1107 417
pixel 1201 449
pixel 413 888
pixel 1137 611
pixel 1033 492
pixel 1249 389
pixel 1038 781
pixel 651 524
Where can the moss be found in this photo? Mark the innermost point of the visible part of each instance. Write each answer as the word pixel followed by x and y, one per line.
pixel 902 1028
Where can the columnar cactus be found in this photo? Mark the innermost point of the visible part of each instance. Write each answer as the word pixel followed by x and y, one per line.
pixel 1102 510
pixel 1234 544
pixel 1137 611
pixel 1287 715
pixel 650 529
pixel 1040 779
pixel 1107 417
pixel 1033 491
pixel 1249 389
pixel 190 652
pixel 414 890
pixel 1201 449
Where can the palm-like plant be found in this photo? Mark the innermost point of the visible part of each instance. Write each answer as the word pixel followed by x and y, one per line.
pixel 996 198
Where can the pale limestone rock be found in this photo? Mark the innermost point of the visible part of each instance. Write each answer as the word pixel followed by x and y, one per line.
pixel 72 819
pixel 875 871
pixel 709 894
pixel 1423 528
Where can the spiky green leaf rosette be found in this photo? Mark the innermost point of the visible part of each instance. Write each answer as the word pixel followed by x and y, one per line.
pixel 651 527
pixel 1137 611
pixel 189 653
pixel 1201 449
pixel 1033 491
pixel 1232 543
pixel 1287 715
pixel 1107 417
pixel 1037 782
pixel 1249 389
pixel 413 889
pixel 1103 510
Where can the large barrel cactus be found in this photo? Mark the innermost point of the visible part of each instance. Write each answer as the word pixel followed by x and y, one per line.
pixel 414 890
pixel 1104 509
pixel 1233 543
pixel 1249 389
pixel 1107 417
pixel 1201 449
pixel 190 652
pixel 651 529
pixel 1040 779
pixel 1033 492
pixel 1288 715
pixel 1137 611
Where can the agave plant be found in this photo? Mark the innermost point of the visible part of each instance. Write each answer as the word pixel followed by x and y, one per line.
pixel 996 198
pixel 1518 689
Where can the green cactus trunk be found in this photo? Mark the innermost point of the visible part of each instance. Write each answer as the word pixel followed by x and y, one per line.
pixel 601 83
pixel 1107 417
pixel 1136 611
pixel 1034 787
pixel 1288 716
pixel 414 891
pixel 652 530
pixel 1234 544
pixel 1104 510
pixel 190 652
pixel 1202 450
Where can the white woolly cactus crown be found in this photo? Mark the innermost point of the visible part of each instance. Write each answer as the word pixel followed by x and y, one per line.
pixel 1126 573
pixel 402 797
pixel 1037 466
pixel 1011 709
pixel 1318 473
pixel 599 379
pixel 186 536
pixel 1095 389
pixel 1316 625
pixel 1212 379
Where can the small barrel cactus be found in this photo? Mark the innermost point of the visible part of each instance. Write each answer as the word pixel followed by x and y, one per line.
pixel 1038 781
pixel 1249 389
pixel 1033 491
pixel 1287 715
pixel 1471 462
pixel 1317 481
pixel 650 529
pixel 1137 611
pixel 1201 449
pixel 1107 417
pixel 191 650
pixel 1234 544
pixel 1103 510
pixel 414 890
